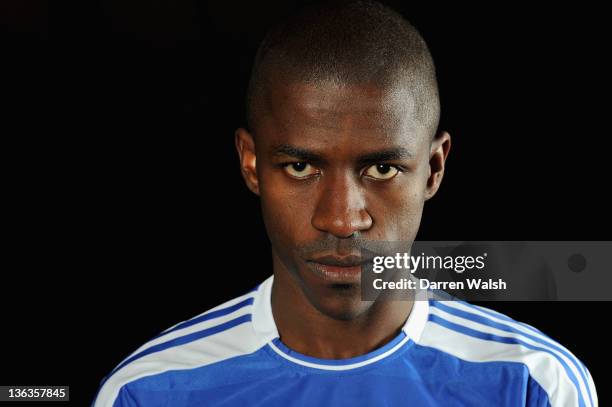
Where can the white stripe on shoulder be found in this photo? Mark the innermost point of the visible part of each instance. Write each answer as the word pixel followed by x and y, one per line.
pixel 226 304
pixel 236 341
pixel 542 367
pixel 164 336
pixel 499 317
pixel 558 367
pixel 525 329
pixel 193 328
pixel 592 387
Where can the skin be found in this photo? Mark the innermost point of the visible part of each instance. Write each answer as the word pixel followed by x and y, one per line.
pixel 336 166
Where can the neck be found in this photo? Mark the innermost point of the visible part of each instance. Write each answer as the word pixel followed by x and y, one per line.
pixel 304 329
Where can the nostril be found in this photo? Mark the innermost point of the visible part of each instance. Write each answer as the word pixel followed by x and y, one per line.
pixel 342 225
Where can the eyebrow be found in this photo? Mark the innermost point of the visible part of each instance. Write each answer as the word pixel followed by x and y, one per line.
pixel 397 153
pixel 297 152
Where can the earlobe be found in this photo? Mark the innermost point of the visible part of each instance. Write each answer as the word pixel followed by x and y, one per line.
pixel 440 148
pixel 245 145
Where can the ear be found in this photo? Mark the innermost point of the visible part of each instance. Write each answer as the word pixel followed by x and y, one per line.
pixel 440 146
pixel 248 160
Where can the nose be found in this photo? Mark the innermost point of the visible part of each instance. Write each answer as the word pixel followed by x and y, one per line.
pixel 341 208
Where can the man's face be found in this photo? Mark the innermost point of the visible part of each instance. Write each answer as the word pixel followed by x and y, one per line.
pixel 337 167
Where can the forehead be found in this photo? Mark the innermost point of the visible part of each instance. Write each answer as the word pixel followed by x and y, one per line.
pixel 327 112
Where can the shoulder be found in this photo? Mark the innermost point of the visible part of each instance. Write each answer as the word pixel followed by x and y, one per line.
pixel 478 334
pixel 219 334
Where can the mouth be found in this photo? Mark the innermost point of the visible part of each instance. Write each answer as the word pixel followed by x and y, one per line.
pixel 344 269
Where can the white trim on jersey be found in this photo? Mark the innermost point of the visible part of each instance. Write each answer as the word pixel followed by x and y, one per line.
pixel 339 367
pixel 415 324
pixel 263 319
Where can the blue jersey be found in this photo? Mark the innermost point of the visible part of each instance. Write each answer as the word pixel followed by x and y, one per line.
pixel 448 353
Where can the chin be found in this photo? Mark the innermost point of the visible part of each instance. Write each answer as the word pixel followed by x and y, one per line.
pixel 344 304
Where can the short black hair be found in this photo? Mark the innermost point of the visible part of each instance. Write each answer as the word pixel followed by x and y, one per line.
pixel 346 42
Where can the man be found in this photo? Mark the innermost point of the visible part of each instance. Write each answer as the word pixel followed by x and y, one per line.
pixel 343 149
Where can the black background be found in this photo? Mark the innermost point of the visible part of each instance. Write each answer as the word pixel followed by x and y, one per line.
pixel 123 190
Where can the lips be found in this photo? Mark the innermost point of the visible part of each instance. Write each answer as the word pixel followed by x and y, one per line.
pixel 335 268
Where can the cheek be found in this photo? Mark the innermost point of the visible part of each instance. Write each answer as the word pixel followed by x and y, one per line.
pixel 397 212
pixel 285 211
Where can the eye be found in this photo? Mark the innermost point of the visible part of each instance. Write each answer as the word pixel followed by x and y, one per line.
pixel 382 171
pixel 300 170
